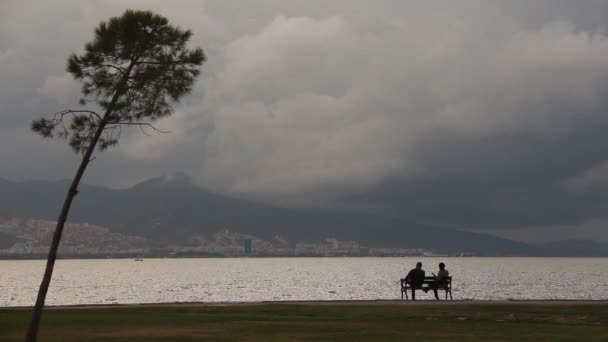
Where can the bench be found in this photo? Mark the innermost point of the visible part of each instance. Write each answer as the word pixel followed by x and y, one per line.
pixel 447 287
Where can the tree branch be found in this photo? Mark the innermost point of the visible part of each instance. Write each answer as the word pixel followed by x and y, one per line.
pixel 141 124
pixel 59 115
pixel 120 70
pixel 143 131
pixel 172 62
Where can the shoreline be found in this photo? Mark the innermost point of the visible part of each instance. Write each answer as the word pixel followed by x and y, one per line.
pixel 388 302
pixel 160 257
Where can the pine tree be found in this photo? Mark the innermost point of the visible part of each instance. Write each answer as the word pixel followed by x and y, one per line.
pixel 132 72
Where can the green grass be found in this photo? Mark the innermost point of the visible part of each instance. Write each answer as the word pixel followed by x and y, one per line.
pixel 331 322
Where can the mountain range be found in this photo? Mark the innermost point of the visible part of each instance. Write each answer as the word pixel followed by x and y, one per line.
pixel 174 210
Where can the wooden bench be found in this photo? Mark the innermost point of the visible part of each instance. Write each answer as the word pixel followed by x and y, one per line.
pixel 446 286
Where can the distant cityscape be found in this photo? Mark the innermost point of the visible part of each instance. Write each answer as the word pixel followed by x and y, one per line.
pixel 163 217
pixel 30 238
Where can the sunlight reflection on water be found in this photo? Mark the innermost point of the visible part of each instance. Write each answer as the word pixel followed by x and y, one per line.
pixel 106 281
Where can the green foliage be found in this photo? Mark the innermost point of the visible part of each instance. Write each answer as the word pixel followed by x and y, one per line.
pixel 136 66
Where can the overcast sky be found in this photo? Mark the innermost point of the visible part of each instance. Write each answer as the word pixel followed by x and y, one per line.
pixel 487 115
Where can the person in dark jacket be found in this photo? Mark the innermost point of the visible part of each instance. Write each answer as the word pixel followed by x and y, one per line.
pixel 415 278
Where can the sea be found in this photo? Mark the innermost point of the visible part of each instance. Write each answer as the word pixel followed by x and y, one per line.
pixel 171 280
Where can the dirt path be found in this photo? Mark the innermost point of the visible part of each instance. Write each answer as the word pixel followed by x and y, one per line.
pixel 327 302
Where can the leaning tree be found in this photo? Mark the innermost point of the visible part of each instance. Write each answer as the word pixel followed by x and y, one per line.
pixel 136 66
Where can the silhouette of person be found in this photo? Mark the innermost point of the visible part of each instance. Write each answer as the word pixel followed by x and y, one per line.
pixel 440 279
pixel 415 278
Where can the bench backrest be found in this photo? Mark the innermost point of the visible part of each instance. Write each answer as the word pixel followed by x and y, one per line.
pixel 448 279
pixel 448 282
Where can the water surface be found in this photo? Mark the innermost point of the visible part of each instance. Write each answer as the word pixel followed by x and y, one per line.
pixel 106 281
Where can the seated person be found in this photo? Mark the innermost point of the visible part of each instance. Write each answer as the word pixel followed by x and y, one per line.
pixel 415 278
pixel 440 279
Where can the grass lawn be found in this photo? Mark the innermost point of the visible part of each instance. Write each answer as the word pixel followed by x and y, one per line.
pixel 326 322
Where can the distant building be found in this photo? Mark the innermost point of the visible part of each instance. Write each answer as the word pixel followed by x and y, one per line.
pixel 248 247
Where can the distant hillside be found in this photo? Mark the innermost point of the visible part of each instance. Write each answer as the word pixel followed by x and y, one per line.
pixel 167 211
pixel 576 248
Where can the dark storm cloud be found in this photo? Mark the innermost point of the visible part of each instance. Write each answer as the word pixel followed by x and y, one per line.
pixel 477 114
pixel 501 181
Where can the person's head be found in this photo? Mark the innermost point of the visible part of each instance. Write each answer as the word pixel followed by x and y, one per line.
pixel 441 266
pixel 418 264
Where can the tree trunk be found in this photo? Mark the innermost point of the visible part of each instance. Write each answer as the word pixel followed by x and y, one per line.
pixel 32 331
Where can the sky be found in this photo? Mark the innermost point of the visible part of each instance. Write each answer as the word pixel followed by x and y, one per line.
pixel 478 115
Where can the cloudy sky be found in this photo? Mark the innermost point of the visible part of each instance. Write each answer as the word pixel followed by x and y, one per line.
pixel 483 115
